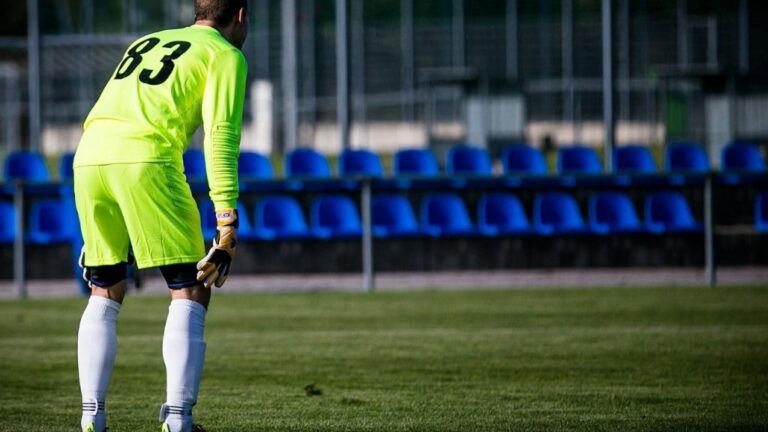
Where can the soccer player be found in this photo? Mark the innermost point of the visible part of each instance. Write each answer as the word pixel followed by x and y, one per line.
pixel 130 189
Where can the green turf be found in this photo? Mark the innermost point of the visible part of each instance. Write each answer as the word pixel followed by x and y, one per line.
pixel 599 359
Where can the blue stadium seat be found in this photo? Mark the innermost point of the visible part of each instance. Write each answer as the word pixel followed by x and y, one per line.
pixel 416 162
pixel 502 213
pixel 65 166
pixel 444 215
pixel 25 165
pixel 633 159
pixel 280 217
pixel 305 162
pixel 194 164
pixel 741 156
pixel 685 156
pixel 393 216
pixel 523 159
pixel 7 222
pixel 254 165
pixel 463 159
pixel 360 163
pixel 613 212
pixel 669 212
pixel 208 221
pixel 578 159
pixel 557 213
pixel 761 212
pixel 336 215
pixel 48 223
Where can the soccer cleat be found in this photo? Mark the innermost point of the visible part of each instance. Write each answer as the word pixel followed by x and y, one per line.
pixel 195 428
pixel 91 428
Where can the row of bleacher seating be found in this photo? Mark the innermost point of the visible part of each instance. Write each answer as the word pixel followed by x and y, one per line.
pixel 516 159
pixel 440 214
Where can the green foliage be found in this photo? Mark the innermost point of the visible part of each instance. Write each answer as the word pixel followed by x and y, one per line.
pixel 535 360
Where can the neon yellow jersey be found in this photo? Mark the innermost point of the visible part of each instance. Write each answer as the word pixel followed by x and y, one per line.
pixel 167 84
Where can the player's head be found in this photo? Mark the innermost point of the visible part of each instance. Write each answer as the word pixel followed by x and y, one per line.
pixel 229 16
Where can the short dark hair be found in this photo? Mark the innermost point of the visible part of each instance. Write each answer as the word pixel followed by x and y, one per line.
pixel 218 11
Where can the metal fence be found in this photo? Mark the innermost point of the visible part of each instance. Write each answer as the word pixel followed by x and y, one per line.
pixel 547 53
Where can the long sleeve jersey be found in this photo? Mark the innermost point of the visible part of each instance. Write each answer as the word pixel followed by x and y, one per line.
pixel 167 84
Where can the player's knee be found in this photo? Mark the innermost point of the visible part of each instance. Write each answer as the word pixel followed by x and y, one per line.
pixel 108 275
pixel 179 276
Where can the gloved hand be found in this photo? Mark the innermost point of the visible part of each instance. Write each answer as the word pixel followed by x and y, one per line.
pixel 214 268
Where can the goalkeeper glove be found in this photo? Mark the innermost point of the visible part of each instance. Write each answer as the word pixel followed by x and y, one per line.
pixel 214 268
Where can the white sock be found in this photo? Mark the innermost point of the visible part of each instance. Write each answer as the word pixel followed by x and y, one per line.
pixel 184 354
pixel 96 349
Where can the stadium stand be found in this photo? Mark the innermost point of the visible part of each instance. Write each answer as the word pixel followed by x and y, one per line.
pixel 305 162
pixel 669 212
pixel 444 215
pixel 502 214
pixel 761 212
pixel 65 166
pixel 463 159
pixel 48 223
pixel 252 165
pixel 393 216
pixel 613 212
pixel 685 156
pixel 416 162
pixel 741 156
pixel 557 213
pixel 25 165
pixel 337 216
pixel 194 164
pixel 633 159
pixel 523 159
pixel 7 223
pixel 578 159
pixel 360 163
pixel 280 217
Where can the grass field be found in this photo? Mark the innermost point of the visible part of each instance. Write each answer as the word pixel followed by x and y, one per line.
pixel 596 359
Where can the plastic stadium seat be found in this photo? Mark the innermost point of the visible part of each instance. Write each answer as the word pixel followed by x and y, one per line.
pixel 304 162
pixel 684 156
pixel 336 215
pixel 280 217
pixel 208 221
pixel 65 166
pixel 523 159
pixel 25 165
pixel 416 162
pixel 254 165
pixel 360 163
pixel 669 212
pixel 761 212
pixel 445 215
pixel 463 159
pixel 7 222
pixel 742 156
pixel 578 159
pixel 502 213
pixel 613 212
pixel 393 216
pixel 633 159
pixel 194 164
pixel 48 223
pixel 558 213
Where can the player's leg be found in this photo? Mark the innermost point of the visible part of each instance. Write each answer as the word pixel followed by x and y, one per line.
pixel 183 345
pixel 106 246
pixel 164 225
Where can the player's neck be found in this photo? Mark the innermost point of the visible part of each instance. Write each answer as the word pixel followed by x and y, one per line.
pixel 225 31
